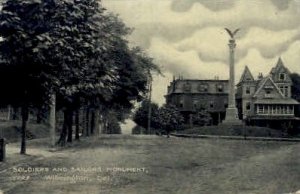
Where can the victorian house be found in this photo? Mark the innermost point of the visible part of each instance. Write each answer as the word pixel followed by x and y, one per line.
pixel 267 100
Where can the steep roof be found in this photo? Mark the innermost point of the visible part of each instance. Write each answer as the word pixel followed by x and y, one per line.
pixel 279 66
pixel 263 82
pixel 247 75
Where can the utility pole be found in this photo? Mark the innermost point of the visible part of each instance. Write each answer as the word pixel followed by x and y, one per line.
pixel 149 101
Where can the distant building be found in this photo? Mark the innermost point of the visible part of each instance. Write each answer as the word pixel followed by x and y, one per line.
pixel 267 100
pixel 189 96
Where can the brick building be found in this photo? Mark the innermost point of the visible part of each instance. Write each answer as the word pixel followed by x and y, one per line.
pixel 192 95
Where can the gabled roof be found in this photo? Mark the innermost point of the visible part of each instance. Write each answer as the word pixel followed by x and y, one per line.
pixel 246 76
pixel 279 65
pixel 263 82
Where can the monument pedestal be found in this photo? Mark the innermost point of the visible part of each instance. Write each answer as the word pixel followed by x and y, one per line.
pixel 232 117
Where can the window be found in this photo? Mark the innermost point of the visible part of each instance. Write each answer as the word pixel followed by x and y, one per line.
pixel 248 106
pixel 181 102
pixel 286 91
pixel 268 93
pixel 280 109
pixel 220 88
pixel 247 90
pixel 290 109
pixel 260 109
pixel 281 89
pixel 195 104
pixel 187 87
pixel 203 88
pixel 282 76
pixel 226 104
pixel 211 104
pixel 273 109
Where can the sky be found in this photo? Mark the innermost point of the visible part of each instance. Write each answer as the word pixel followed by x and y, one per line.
pixel 187 37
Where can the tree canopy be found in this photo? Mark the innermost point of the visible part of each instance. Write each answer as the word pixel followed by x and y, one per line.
pixel 164 118
pixel 73 48
pixel 296 86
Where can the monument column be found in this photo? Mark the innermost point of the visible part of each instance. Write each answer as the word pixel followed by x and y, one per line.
pixel 231 95
pixel 231 112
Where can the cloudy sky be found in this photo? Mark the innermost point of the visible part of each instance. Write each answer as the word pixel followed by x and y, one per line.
pixel 187 37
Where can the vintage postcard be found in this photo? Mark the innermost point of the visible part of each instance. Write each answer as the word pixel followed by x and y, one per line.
pixel 150 96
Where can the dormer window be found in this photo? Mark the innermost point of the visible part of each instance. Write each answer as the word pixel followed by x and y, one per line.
pixel 220 88
pixel 203 88
pixel 187 87
pixel 247 90
pixel 282 76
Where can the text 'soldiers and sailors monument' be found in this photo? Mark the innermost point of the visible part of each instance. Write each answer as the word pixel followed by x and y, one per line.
pixel 231 111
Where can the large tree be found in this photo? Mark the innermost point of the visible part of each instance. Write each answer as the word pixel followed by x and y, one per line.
pixel 163 119
pixel 71 48
pixel 141 115
pixel 296 86
pixel 169 119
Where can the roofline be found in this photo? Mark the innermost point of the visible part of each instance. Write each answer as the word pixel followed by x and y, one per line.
pixel 221 80
pixel 262 85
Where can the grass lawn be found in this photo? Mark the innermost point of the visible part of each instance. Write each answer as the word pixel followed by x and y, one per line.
pixel 171 165
pixel 252 131
pixel 11 130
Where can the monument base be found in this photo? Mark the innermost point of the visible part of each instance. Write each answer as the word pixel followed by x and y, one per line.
pixel 231 117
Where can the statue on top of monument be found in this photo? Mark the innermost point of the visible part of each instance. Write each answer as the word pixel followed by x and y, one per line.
pixel 232 34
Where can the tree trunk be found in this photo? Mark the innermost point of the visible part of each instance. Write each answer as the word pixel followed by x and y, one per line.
pixel 15 113
pixel 52 119
pixel 105 128
pixel 63 133
pixel 70 126
pixel 39 115
pixel 97 122
pixel 87 121
pixel 77 124
pixel 24 128
pixel 8 112
pixel 92 122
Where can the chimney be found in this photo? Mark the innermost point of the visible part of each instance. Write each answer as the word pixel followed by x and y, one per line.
pixel 260 76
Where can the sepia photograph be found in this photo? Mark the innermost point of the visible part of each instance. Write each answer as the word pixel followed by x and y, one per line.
pixel 150 97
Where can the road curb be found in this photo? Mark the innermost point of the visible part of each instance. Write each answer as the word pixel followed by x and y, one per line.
pixel 236 137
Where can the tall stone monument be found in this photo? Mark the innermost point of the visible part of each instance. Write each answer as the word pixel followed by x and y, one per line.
pixel 231 112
